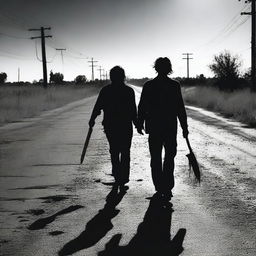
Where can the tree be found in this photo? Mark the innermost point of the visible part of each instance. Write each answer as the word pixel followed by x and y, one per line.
pixel 3 77
pixel 226 70
pixel 56 78
pixel 51 77
pixel 81 79
pixel 248 74
pixel 201 79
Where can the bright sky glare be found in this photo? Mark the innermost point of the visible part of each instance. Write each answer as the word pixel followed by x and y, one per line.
pixel 120 32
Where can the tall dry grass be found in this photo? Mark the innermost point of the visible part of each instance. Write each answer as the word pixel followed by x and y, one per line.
pixel 17 102
pixel 240 105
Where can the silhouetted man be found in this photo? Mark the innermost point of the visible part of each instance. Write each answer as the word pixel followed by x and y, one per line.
pixel 160 105
pixel 117 101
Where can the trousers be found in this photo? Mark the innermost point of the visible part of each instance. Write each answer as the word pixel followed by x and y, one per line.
pixel 163 170
pixel 119 148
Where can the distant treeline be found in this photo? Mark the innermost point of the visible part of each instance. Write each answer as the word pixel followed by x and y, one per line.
pixel 201 80
pixel 54 79
pixel 63 83
pixel 224 66
pixel 227 74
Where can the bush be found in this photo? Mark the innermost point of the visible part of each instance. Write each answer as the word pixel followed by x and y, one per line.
pixel 56 78
pixel 81 79
pixel 226 70
pixel 3 77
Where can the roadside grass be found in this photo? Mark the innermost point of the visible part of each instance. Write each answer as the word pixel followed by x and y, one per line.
pixel 240 105
pixel 17 102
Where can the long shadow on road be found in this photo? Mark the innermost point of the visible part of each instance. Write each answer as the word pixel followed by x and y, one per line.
pixel 43 222
pixel 98 226
pixel 152 237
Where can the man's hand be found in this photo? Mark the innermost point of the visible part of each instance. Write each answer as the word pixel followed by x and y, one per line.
pixel 91 123
pixel 139 130
pixel 185 133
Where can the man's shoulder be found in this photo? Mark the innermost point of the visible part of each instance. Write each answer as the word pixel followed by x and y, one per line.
pixel 106 88
pixel 169 81
pixel 128 88
pixel 173 82
pixel 148 83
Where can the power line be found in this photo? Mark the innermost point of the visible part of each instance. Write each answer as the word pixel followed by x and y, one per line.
pixel 229 26
pixel 75 64
pixel 37 52
pixel 37 55
pixel 12 36
pixel 235 28
pixel 7 55
pixel 78 58
pixel 70 49
pixel 13 55
pixel 234 20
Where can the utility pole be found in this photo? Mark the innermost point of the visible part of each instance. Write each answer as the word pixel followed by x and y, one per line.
pixel 62 58
pixel 101 74
pixel 18 75
pixel 42 37
pixel 253 42
pixel 61 53
pixel 92 66
pixel 187 58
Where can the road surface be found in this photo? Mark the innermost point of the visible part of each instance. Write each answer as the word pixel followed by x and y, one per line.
pixel 51 205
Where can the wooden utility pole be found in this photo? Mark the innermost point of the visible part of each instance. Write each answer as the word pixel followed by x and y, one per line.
pixel 187 58
pixel 42 37
pixel 92 66
pixel 253 43
pixel 61 53
pixel 101 74
pixel 62 57
pixel 18 75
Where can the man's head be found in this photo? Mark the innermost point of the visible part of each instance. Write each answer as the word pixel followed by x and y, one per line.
pixel 163 66
pixel 117 74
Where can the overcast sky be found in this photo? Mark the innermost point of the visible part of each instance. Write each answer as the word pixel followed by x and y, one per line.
pixel 130 33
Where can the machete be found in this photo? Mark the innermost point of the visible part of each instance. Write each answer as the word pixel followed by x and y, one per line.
pixel 86 143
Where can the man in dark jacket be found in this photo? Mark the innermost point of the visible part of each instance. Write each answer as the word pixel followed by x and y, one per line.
pixel 118 104
pixel 160 105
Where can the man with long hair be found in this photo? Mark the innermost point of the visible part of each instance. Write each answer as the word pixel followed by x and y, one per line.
pixel 161 104
pixel 117 100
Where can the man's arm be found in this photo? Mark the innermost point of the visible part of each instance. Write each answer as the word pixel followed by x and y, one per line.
pixel 134 110
pixel 182 115
pixel 142 110
pixel 97 109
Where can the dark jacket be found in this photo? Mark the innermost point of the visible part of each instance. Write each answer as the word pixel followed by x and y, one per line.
pixel 160 105
pixel 118 105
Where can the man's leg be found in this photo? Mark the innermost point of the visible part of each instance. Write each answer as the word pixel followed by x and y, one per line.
pixel 155 148
pixel 170 145
pixel 114 154
pixel 125 146
pixel 125 166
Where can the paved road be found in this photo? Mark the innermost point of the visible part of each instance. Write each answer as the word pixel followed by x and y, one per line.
pixel 51 205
